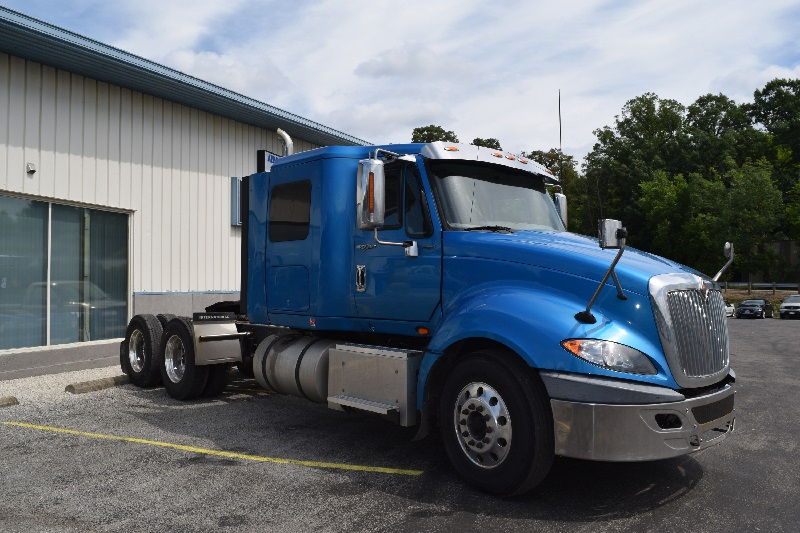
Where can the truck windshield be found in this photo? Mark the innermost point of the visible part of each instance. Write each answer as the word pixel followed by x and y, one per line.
pixel 476 195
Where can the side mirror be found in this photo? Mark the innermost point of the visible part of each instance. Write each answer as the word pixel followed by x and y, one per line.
pixel 611 234
pixel 561 206
pixel 371 194
pixel 728 250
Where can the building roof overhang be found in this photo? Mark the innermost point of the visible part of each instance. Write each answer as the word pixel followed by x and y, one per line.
pixel 33 39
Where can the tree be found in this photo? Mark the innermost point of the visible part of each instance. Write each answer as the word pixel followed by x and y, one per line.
pixel 432 133
pixel 777 108
pixel 753 215
pixel 793 211
pixel 648 135
pixel 721 136
pixel 581 213
pixel 663 201
pixel 491 142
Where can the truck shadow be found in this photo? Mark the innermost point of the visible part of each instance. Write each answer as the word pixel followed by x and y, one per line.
pixel 247 420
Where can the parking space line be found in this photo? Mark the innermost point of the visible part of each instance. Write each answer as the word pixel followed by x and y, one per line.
pixel 221 453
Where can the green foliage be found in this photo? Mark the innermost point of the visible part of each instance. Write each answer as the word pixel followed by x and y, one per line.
pixel 574 186
pixel 663 201
pixel 777 108
pixel 491 142
pixel 432 133
pixel 754 212
pixel 649 135
pixel 793 211
pixel 685 179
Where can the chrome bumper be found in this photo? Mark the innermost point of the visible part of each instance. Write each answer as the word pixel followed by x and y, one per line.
pixel 609 432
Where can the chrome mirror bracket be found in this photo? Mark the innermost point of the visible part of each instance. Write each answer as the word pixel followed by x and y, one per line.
pixel 612 235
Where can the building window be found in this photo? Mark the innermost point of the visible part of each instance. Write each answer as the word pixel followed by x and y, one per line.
pixel 23 272
pixel 76 292
pixel 290 211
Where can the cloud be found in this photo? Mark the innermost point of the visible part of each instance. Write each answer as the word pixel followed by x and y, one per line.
pixel 377 69
pixel 415 62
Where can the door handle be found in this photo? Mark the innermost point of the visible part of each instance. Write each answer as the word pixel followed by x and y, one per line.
pixel 361 278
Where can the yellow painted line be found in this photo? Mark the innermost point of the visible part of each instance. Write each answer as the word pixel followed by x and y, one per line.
pixel 222 453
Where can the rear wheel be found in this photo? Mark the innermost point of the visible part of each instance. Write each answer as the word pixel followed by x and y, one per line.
pixel 496 424
pixel 182 378
pixel 217 380
pixel 141 352
pixel 164 319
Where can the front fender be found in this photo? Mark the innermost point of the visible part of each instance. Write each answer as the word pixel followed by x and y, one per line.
pixel 532 319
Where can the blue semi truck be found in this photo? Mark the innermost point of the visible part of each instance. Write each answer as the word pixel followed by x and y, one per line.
pixel 435 285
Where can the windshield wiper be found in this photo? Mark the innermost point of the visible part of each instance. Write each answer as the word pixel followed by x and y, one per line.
pixel 496 229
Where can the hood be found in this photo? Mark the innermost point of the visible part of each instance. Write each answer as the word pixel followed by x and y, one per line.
pixel 562 251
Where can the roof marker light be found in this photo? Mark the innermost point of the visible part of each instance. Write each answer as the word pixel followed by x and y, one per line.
pixel 511 157
pixel 497 154
pixel 522 160
pixel 451 148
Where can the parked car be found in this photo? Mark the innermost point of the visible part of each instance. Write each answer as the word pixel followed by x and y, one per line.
pixel 730 310
pixel 790 307
pixel 755 309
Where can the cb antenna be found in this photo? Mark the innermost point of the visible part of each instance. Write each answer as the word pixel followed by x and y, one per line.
pixel 560 165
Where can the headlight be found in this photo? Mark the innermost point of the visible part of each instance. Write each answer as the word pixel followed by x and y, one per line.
pixel 610 355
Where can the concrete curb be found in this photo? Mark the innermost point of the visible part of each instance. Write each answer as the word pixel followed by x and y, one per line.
pixel 96 384
pixel 8 401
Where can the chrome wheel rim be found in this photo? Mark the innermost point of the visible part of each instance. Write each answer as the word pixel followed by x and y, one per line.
pixel 175 359
pixel 136 351
pixel 482 425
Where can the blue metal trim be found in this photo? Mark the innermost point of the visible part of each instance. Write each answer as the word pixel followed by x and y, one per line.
pixel 39 41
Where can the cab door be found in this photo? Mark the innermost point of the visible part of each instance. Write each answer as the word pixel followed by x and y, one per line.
pixel 390 285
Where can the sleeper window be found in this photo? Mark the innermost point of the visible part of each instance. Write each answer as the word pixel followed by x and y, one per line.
pixel 290 211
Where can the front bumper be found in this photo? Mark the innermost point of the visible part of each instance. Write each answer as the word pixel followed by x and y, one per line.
pixel 619 432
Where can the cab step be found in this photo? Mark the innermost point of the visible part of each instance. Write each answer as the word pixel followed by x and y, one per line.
pixel 363 405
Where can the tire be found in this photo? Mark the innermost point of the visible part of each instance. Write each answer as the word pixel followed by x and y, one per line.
pixel 516 459
pixel 245 366
pixel 217 380
pixel 164 319
pixel 763 315
pixel 181 377
pixel 141 352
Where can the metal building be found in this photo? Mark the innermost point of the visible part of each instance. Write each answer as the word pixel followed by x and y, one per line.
pixel 115 190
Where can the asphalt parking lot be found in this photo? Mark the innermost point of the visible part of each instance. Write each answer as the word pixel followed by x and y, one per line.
pixel 135 459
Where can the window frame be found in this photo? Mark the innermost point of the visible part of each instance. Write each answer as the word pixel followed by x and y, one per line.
pixel 412 170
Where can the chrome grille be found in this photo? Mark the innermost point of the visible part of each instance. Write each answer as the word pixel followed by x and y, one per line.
pixel 700 330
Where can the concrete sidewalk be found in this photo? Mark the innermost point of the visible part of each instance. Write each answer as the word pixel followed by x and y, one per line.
pixel 29 362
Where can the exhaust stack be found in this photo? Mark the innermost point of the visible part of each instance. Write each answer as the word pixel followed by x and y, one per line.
pixel 287 141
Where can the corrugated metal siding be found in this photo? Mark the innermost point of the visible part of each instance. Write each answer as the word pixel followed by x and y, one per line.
pixel 103 145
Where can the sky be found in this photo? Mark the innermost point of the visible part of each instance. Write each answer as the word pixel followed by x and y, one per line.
pixel 377 69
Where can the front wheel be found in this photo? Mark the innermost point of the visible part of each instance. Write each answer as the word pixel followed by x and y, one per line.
pixel 496 424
